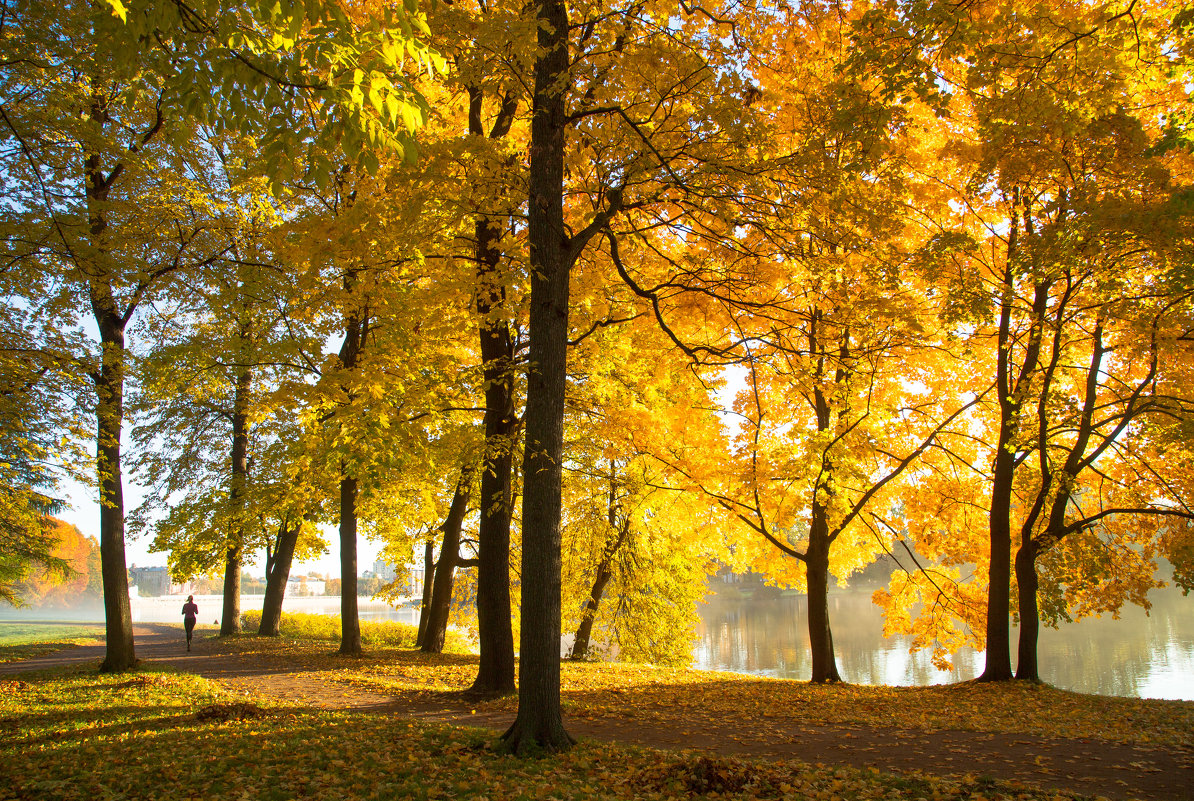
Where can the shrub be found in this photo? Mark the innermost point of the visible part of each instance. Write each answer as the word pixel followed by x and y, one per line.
pixel 303 626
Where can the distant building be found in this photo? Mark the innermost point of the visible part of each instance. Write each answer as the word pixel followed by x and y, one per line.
pixel 303 585
pixel 384 571
pixel 151 582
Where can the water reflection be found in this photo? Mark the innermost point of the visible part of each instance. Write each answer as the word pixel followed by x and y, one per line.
pixel 1149 656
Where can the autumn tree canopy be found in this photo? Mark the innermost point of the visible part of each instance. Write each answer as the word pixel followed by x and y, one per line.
pixel 596 299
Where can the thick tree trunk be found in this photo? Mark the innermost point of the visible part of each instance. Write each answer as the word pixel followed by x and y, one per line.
pixel 230 623
pixel 230 620
pixel 277 573
pixel 1027 583
pixel 428 586
pixel 119 654
pixel 495 672
pixel 539 725
pixel 820 638
pixel 436 630
pixel 350 624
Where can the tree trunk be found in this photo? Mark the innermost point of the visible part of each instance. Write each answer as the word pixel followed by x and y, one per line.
pixel 230 620
pixel 436 630
pixel 230 623
pixel 539 725
pixel 350 624
pixel 1027 583
pixel 495 672
pixel 109 407
pixel 580 646
pixel 619 531
pixel 816 566
pixel 998 660
pixel 277 572
pixel 119 653
pixel 428 581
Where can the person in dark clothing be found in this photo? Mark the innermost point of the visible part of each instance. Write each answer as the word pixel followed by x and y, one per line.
pixel 190 613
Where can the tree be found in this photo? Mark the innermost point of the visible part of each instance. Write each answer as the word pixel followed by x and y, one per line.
pixel 1058 192
pixel 97 199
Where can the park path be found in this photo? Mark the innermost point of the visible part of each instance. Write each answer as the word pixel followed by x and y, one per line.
pixel 1091 767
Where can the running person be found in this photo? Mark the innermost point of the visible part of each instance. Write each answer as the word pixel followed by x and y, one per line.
pixel 190 613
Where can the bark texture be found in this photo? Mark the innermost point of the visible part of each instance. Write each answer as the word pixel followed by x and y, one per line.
pixel 539 725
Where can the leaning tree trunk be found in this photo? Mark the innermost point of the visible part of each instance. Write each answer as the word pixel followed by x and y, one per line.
pixel 1027 583
pixel 540 725
pixel 230 622
pixel 277 573
pixel 436 630
pixel 619 532
pixel 580 645
pixel 495 671
pixel 109 384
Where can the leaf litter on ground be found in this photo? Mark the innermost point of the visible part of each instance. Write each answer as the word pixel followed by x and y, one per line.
pixel 75 735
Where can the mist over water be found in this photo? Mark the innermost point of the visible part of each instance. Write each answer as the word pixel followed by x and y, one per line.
pixel 1139 655
pixel 1146 655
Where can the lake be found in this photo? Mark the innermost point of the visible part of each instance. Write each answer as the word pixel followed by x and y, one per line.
pixel 1141 655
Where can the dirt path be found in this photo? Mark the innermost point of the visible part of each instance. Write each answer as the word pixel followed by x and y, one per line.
pixel 1092 767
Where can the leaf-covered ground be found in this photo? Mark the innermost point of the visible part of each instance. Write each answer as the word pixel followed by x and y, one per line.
pixel 750 737
pixel 79 735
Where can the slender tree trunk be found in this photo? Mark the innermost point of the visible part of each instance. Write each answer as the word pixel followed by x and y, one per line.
pixel 356 328
pixel 230 622
pixel 495 672
pixel 276 575
pixel 1027 584
pixel 619 526
pixel 350 624
pixel 119 654
pixel 580 645
pixel 428 585
pixel 540 725
pixel 436 630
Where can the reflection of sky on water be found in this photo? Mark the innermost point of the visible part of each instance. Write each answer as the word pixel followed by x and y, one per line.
pixel 1145 655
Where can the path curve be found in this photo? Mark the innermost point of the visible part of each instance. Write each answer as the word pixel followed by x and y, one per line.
pixel 1092 767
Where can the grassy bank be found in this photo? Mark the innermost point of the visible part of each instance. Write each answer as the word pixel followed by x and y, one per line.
pixel 27 640
pixel 154 735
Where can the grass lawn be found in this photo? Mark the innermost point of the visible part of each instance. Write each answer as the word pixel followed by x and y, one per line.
pixel 26 640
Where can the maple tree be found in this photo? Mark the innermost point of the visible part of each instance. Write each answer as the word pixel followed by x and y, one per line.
pixel 100 93
pixel 1052 253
